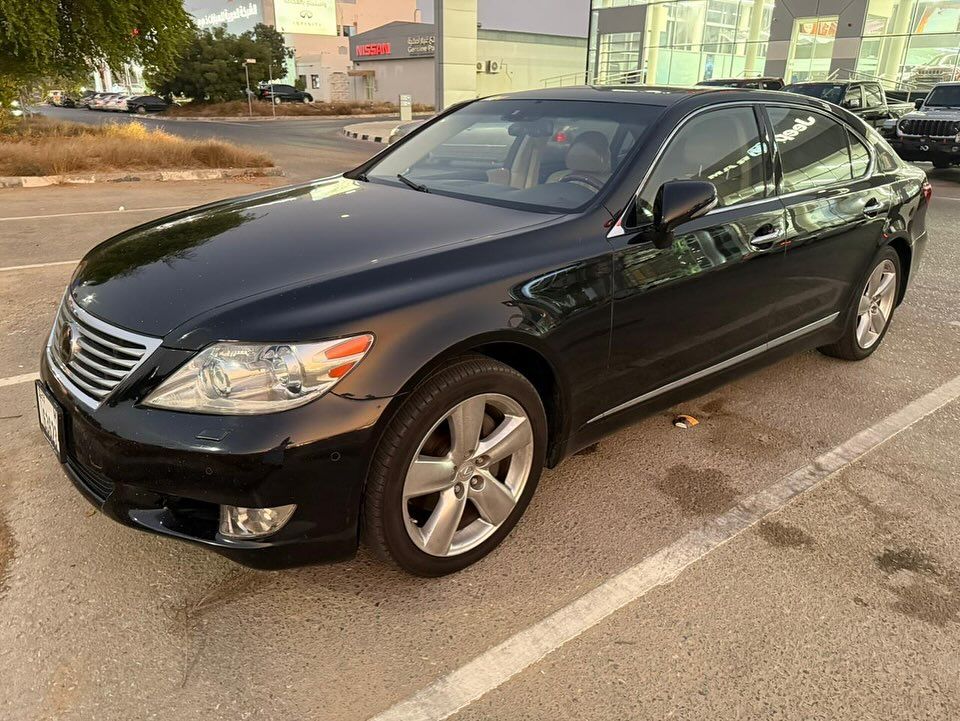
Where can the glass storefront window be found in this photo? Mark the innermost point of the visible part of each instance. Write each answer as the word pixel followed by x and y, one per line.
pixel 811 48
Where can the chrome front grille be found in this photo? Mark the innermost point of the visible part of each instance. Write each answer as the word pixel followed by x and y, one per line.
pixel 92 357
pixel 930 128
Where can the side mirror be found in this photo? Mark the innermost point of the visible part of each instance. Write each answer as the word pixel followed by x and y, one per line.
pixel 679 202
pixel 918 103
pixel 852 103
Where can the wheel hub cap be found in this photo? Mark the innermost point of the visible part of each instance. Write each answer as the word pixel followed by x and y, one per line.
pixel 876 304
pixel 455 500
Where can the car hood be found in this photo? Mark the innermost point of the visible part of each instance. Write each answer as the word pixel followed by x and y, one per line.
pixel 157 276
pixel 934 114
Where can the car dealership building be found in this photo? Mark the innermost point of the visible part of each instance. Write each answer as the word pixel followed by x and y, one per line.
pixel 400 58
pixel 907 43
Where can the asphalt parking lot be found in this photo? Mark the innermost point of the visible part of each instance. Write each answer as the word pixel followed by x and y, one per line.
pixel 649 578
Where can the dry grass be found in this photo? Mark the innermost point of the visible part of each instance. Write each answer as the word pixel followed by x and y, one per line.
pixel 238 108
pixel 39 146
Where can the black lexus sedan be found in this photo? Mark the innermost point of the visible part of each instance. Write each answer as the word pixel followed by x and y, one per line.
pixel 392 355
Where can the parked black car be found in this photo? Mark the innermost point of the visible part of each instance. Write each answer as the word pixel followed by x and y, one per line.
pixel 143 104
pixel 766 83
pixel 279 93
pixel 867 100
pixel 395 353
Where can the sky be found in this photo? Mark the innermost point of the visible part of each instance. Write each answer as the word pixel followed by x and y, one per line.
pixel 558 17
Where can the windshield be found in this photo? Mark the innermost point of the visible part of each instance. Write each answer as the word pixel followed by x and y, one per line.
pixel 946 96
pixel 830 92
pixel 546 155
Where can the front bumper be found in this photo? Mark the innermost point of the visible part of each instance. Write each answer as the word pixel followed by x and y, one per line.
pixel 169 472
pixel 910 148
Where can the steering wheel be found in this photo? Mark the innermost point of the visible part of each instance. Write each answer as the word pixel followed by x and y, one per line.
pixel 587 180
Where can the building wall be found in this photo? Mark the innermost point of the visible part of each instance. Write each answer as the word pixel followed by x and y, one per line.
pixel 907 43
pixel 526 59
pixel 392 78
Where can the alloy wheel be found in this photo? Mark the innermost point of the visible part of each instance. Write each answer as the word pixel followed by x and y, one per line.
pixel 876 304
pixel 467 475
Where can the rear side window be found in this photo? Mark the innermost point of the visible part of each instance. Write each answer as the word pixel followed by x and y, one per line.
pixel 722 146
pixel 814 150
pixel 859 156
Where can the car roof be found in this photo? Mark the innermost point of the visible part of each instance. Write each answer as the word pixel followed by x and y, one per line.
pixel 663 96
pixel 637 94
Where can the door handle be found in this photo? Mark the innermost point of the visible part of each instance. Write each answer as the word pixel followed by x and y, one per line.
pixel 766 237
pixel 873 208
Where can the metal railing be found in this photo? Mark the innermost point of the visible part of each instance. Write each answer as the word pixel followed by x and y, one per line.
pixel 905 91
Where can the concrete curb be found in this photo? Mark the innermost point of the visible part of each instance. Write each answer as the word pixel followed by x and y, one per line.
pixel 375 132
pixel 366 136
pixel 39 181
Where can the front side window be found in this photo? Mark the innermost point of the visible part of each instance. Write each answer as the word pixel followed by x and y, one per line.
pixel 814 150
pixel 544 155
pixel 722 146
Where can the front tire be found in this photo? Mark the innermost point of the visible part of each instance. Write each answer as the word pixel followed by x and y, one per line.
pixel 941 163
pixel 456 468
pixel 869 319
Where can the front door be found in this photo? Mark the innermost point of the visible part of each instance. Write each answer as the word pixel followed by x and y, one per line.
pixel 686 310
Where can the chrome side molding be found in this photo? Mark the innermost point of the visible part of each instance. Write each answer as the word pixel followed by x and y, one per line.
pixel 723 365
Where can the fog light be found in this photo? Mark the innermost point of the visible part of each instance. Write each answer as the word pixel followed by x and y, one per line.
pixel 238 522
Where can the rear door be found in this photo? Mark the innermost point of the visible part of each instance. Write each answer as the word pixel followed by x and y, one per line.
pixel 684 311
pixel 836 212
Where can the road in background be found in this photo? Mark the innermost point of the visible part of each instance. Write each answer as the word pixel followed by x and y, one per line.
pixel 305 149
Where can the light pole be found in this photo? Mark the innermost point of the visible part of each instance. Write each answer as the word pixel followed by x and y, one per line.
pixel 246 69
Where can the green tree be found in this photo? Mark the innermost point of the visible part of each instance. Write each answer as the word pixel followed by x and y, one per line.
pixel 66 38
pixel 212 67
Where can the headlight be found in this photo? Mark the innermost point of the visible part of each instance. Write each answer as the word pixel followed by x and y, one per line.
pixel 247 379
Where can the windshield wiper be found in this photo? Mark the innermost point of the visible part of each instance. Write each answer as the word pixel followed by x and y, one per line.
pixel 412 184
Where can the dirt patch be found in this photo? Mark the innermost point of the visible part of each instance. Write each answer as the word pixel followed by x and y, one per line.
pixel 698 491
pixel 714 407
pixel 923 590
pixel 931 603
pixel 232 587
pixel 6 554
pixel 783 535
pixel 905 559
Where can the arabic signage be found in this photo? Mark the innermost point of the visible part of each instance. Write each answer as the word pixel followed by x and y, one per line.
pixel 306 17
pixel 418 45
pixel 237 15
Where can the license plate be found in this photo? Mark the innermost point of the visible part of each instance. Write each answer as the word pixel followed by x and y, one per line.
pixel 51 419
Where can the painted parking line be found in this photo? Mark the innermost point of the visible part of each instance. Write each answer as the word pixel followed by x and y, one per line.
pixel 16 380
pixel 96 212
pixel 491 669
pixel 39 265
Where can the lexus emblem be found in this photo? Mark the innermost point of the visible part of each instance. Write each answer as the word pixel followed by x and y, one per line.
pixel 68 341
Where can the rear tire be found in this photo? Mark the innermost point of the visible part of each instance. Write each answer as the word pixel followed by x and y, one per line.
pixel 941 163
pixel 140 110
pixel 868 320
pixel 434 503
pixel 277 101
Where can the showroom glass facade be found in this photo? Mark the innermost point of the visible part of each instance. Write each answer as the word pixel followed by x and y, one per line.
pixel 907 43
